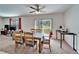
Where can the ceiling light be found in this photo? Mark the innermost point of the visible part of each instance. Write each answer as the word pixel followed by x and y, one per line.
pixel 37 12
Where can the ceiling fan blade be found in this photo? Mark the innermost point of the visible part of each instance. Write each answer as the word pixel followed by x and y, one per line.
pixel 37 7
pixel 31 11
pixel 33 8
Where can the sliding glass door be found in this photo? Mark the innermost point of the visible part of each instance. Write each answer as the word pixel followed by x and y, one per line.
pixel 44 25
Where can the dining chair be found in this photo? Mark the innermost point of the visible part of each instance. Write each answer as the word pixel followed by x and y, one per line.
pixel 46 40
pixel 29 40
pixel 17 37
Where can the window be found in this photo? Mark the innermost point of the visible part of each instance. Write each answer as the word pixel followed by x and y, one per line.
pixel 45 25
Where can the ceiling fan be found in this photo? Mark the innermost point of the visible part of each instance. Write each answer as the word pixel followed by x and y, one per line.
pixel 36 8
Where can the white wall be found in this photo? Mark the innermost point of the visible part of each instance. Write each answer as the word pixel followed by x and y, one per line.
pixel 5 21
pixel 1 21
pixel 72 23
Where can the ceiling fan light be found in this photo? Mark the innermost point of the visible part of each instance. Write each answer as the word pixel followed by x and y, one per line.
pixel 37 12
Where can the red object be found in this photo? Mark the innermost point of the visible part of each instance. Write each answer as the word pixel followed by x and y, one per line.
pixel 19 23
pixel 50 34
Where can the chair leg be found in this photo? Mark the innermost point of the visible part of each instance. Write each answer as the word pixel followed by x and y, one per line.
pixel 50 47
pixel 41 46
pixel 36 46
pixel 33 49
pixel 15 47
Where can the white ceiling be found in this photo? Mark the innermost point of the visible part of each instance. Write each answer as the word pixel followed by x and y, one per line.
pixel 10 10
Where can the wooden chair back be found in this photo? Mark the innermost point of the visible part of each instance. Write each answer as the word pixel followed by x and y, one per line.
pixel 16 36
pixel 46 40
pixel 28 36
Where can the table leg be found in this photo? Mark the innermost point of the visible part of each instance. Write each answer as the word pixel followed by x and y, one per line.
pixel 39 46
pixel 63 36
pixel 60 40
pixel 73 42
